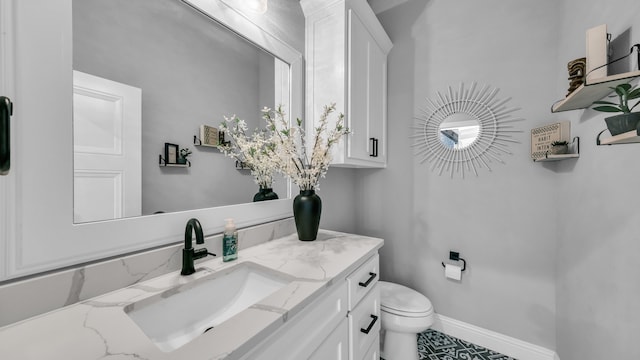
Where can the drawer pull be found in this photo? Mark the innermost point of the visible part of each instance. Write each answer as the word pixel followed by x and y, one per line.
pixel 366 283
pixel 6 110
pixel 373 322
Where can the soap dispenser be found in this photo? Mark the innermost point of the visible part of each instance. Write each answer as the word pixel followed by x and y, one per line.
pixel 230 241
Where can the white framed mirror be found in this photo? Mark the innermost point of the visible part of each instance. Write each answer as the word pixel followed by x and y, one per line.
pixel 41 234
pixel 464 130
pixel 156 78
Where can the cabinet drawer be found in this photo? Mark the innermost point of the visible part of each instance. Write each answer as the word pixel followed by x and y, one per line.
pixel 335 346
pixel 363 280
pixel 364 324
pixel 301 335
pixel 374 350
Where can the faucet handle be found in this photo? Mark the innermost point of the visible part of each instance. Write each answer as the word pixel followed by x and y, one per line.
pixel 200 253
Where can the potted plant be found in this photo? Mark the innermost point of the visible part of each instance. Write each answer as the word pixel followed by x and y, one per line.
pixel 559 147
pixel 184 153
pixel 251 152
pixel 305 159
pixel 627 121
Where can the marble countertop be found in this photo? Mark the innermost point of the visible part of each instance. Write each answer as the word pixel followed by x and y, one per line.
pixel 99 328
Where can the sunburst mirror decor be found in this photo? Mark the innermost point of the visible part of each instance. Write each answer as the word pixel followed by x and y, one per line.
pixel 464 130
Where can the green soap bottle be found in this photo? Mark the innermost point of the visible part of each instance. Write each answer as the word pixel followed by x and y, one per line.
pixel 229 241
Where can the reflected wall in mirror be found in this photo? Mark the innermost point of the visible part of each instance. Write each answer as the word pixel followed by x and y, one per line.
pixel 459 131
pixel 464 130
pixel 149 73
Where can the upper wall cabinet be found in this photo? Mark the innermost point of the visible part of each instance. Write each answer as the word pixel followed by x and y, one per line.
pixel 346 54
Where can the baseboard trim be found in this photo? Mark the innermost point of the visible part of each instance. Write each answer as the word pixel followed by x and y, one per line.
pixel 504 344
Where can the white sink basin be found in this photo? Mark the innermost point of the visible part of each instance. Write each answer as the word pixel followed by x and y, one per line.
pixel 179 315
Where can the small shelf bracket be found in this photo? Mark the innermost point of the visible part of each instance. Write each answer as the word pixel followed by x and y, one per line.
pixel 221 141
pixel 164 163
pixel 630 137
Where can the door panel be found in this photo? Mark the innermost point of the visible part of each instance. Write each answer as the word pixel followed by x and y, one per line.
pixel 107 122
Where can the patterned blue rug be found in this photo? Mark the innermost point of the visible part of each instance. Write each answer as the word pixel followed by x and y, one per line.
pixel 434 345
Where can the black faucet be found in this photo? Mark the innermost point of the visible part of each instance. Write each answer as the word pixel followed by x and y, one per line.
pixel 189 254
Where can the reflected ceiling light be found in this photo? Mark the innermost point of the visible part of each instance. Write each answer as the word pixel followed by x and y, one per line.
pixel 256 6
pixel 259 6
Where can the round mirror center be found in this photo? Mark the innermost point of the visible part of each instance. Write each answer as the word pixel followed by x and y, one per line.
pixel 459 130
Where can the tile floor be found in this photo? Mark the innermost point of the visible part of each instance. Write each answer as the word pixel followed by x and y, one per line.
pixel 434 345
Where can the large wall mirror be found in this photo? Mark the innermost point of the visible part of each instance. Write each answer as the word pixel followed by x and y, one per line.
pixel 148 73
pixel 43 232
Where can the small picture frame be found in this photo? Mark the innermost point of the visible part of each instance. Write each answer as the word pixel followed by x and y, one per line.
pixel 170 153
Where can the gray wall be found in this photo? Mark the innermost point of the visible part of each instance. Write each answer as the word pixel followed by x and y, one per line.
pixel 598 316
pixel 551 248
pixel 502 222
pixel 191 72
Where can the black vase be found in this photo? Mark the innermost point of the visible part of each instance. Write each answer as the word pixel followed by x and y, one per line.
pixel 307 207
pixel 265 194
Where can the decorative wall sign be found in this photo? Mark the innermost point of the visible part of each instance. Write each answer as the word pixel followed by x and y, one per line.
pixel 209 135
pixel 542 137
pixel 464 130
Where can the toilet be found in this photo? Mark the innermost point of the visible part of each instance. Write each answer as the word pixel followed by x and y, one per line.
pixel 404 313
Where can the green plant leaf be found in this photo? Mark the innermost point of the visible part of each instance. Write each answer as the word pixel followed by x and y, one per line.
pixel 607 108
pixel 634 94
pixel 622 88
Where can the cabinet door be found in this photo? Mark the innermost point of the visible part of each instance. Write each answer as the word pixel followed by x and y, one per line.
pixel 358 99
pixel 377 91
pixel 374 350
pixel 304 333
pixel 364 324
pixel 335 346
pixel 366 94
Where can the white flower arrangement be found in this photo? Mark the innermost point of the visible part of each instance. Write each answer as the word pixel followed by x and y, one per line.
pixel 290 146
pixel 253 151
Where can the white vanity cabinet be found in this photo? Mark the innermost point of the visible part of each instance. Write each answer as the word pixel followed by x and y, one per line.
pixel 364 310
pixel 342 324
pixel 346 55
pixel 312 332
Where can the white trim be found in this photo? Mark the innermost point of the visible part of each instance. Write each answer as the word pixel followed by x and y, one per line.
pixel 38 214
pixel 503 344
pixel 7 181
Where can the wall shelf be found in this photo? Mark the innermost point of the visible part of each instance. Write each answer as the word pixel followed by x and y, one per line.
pixel 574 147
pixel 163 163
pixel 630 137
pixel 221 141
pixel 552 157
pixel 587 93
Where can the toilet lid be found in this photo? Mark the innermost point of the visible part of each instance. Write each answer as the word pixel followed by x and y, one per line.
pixel 400 299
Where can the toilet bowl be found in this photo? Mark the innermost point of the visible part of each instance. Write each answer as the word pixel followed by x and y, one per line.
pixel 404 313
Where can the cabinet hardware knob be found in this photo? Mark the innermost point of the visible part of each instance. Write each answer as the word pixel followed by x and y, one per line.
pixel 369 280
pixel 373 322
pixel 6 110
pixel 374 147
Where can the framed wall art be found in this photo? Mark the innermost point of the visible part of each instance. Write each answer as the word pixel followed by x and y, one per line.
pixel 170 153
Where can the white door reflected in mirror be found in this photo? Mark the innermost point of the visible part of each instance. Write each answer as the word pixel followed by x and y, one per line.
pixel 107 149
pixel 459 131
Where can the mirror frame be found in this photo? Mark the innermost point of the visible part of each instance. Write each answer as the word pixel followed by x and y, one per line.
pixel 36 235
pixel 494 136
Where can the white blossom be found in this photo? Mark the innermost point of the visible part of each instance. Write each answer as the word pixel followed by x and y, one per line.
pixel 289 146
pixel 254 151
